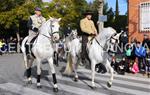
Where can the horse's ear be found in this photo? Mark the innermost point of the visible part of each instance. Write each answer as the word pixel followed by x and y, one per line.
pixel 121 31
pixel 49 17
pixel 59 19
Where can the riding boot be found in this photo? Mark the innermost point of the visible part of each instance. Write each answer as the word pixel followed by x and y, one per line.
pixel 84 52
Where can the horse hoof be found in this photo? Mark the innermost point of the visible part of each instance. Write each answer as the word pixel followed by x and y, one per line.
pixel 39 86
pixel 29 82
pixel 57 65
pixel 108 84
pixel 55 89
pixel 75 79
pixel 93 87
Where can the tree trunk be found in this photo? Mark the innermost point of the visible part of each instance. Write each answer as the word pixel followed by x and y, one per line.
pixel 18 42
pixel 100 13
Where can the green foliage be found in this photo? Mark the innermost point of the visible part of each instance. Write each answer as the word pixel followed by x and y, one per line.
pixel 119 22
pixel 12 15
pixel 14 12
pixel 69 10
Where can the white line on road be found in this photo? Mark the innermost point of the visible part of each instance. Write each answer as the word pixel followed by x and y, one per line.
pixel 15 88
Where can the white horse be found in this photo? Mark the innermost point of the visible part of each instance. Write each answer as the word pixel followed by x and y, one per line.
pixel 99 54
pixel 43 49
pixel 97 51
pixel 73 45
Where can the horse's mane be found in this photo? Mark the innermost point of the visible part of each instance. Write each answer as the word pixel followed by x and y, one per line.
pixel 44 24
pixel 106 33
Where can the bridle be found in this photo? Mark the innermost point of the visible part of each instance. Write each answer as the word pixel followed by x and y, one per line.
pixel 51 33
pixel 108 40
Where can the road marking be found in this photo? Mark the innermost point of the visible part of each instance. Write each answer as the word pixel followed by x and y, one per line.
pixel 16 88
pixel 119 76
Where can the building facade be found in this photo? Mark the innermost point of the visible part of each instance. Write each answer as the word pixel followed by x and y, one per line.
pixel 139 19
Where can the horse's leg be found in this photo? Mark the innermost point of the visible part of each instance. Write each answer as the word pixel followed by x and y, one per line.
pixel 28 70
pixel 74 65
pixel 93 63
pixel 25 60
pixel 111 71
pixel 56 58
pixel 38 72
pixel 50 61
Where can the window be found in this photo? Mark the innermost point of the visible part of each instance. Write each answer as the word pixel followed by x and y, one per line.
pixel 145 16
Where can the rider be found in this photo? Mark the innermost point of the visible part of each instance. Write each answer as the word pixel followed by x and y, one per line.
pixel 34 24
pixel 88 31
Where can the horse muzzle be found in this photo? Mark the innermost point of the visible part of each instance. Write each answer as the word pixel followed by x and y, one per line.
pixel 56 37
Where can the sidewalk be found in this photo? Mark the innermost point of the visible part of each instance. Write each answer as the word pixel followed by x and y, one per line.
pixel 137 75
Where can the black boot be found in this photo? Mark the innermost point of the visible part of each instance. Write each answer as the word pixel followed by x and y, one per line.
pixel 27 51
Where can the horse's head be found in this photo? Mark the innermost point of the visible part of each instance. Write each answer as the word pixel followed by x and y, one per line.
pixel 54 28
pixel 115 38
pixel 74 33
pixel 113 41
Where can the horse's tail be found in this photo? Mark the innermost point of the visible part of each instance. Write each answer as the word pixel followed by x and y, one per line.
pixel 69 68
pixel 23 49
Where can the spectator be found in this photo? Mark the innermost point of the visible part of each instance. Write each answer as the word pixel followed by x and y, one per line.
pixel 123 39
pixel 122 66
pixel 135 68
pixel 129 57
pixel 140 53
pixel 146 41
pixel 1 46
pixel 130 54
pixel 133 44
pixel 146 44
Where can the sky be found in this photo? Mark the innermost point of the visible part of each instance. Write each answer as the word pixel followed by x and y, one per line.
pixel 112 3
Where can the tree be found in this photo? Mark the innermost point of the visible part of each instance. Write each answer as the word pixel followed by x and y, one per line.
pixel 106 11
pixel 70 11
pixel 15 16
pixel 12 16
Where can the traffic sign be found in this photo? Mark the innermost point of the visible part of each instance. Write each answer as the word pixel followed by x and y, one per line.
pixel 103 18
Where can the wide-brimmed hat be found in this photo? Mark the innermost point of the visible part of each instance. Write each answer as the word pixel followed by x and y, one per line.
pixel 38 9
pixel 88 12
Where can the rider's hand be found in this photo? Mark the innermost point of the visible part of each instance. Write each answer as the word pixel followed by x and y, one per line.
pixel 35 29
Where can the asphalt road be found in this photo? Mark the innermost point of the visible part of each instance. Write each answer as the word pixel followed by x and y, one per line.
pixel 12 81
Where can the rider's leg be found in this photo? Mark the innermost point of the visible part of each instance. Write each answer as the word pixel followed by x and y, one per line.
pixel 84 45
pixel 28 44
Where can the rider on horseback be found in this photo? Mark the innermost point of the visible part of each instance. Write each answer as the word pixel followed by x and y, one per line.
pixel 34 24
pixel 88 31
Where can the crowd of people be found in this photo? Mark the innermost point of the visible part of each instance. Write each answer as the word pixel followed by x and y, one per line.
pixel 136 58
pixel 8 45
